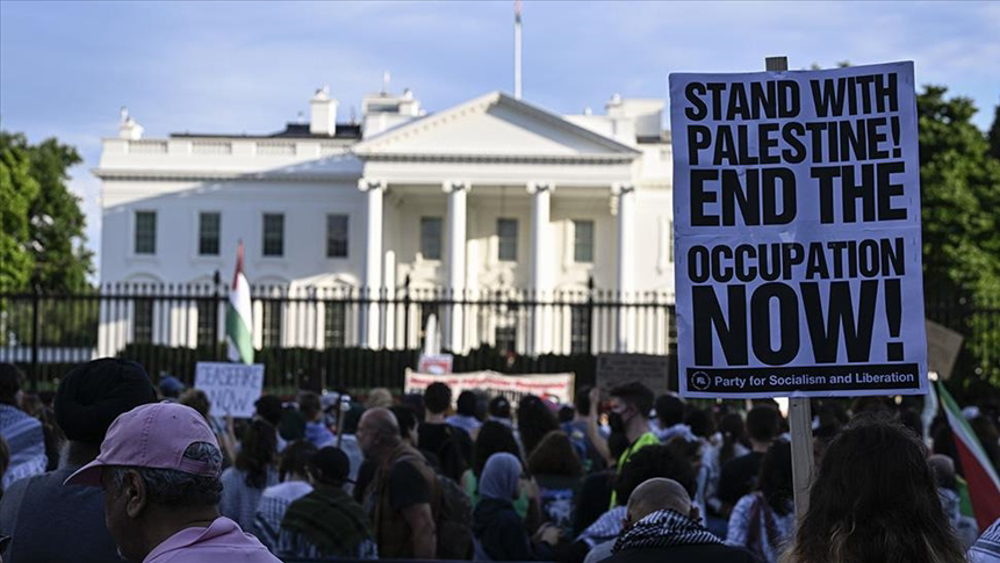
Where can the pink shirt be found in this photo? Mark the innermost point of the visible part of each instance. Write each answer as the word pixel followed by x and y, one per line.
pixel 222 542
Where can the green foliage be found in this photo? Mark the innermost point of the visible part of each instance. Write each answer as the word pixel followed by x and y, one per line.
pixel 994 135
pixel 43 226
pixel 961 226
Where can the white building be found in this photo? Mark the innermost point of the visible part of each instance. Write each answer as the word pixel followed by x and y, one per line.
pixel 491 195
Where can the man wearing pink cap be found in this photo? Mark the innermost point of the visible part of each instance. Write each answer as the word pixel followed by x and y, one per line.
pixel 159 467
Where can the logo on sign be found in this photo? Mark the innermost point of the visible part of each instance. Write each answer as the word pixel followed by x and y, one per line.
pixel 700 380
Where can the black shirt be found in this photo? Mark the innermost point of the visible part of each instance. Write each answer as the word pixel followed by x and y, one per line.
pixel 739 475
pixel 407 486
pixel 451 445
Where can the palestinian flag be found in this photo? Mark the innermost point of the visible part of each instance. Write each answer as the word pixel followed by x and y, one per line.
pixel 981 476
pixel 239 316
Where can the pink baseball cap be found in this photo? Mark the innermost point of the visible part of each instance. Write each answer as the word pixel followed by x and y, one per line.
pixel 154 436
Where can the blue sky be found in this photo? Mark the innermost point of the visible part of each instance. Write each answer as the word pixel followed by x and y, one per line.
pixel 67 67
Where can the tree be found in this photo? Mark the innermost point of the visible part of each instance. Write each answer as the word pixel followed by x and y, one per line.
pixel 960 185
pixel 44 225
pixel 994 134
pixel 18 189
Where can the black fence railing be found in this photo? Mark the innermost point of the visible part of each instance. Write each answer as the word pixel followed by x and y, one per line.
pixel 311 337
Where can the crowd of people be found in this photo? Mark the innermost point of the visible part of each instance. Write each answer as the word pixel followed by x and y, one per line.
pixel 117 468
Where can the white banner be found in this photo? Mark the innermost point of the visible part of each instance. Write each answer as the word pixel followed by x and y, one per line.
pixel 557 387
pixel 232 388
pixel 797 214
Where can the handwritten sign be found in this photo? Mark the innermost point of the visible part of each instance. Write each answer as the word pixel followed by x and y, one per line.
pixel 232 388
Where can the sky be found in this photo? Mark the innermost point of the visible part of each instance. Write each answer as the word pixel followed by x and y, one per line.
pixel 249 67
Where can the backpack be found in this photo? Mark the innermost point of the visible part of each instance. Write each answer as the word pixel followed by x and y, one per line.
pixel 453 520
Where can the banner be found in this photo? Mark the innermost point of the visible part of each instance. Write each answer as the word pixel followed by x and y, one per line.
pixel 797 213
pixel 557 387
pixel 649 369
pixel 232 388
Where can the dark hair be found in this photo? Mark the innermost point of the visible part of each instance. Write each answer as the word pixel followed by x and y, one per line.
pixel 582 400
pixel 11 379
pixel 534 421
pixel 763 423
pixel 874 499
pixel 467 403
pixel 499 407
pixel 169 487
pixel 197 400
pixel 775 477
pixel 4 458
pixel 310 405
pixel 732 434
pixel 555 455
pixel 258 452
pixel 437 397
pixel 701 422
pixel 635 394
pixel 654 461
pixel 406 418
pixel 566 414
pixel 295 458
pixel 910 419
pixel 669 410
pixel 494 437
pixel 269 408
pixel 416 403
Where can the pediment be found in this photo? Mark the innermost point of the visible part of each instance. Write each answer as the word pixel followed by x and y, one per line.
pixel 491 126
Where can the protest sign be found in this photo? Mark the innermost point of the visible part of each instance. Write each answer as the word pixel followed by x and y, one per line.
pixel 797 217
pixel 232 388
pixel 648 369
pixel 435 363
pixel 557 387
pixel 943 347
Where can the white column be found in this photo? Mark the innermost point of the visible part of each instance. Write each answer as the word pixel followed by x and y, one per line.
pixel 541 262
pixel 373 260
pixel 625 193
pixel 457 206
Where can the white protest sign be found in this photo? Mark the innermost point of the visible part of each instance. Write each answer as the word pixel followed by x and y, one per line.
pixel 558 387
pixel 797 214
pixel 232 388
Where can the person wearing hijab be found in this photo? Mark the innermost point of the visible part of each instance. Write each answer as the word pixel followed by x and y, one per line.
pixel 499 532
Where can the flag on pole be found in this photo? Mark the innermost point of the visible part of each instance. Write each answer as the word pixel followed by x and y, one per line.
pixel 239 316
pixel 980 475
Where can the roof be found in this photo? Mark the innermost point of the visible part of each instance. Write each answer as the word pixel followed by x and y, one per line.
pixel 292 131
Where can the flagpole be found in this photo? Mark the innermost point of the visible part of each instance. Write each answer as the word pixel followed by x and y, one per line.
pixel 517 49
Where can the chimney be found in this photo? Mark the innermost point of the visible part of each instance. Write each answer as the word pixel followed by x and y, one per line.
pixel 128 128
pixel 323 113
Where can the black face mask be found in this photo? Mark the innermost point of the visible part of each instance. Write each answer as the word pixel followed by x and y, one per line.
pixel 616 422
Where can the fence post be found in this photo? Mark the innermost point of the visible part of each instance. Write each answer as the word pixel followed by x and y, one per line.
pixel 406 313
pixel 215 329
pixel 35 327
pixel 590 314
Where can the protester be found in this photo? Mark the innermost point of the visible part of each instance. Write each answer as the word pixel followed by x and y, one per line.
pixel 499 410
pixel 669 417
pixel 465 417
pixel 451 445
pixel 874 499
pixel 400 497
pixel 32 405
pixel 4 463
pixel 559 473
pixel 733 445
pixel 22 432
pixel 327 522
pixel 317 431
pixel 253 472
pixel 275 500
pixel 652 461
pixel 52 522
pixel 379 397
pixel 494 437
pixel 198 400
pixel 576 429
pixel 763 522
pixel 630 406
pixel 739 474
pixel 987 547
pixel 500 534
pixel 662 525
pixel 270 408
pixel 943 468
pixel 159 470
pixel 171 388
pixel 534 421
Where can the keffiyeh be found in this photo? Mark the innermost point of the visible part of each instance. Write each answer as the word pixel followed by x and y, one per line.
pixel 664 528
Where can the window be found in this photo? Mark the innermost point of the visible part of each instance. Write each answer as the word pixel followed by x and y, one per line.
pixel 274 234
pixel 430 238
pixel 336 236
pixel 334 331
pixel 208 233
pixel 271 324
pixel 507 235
pixel 208 320
pixel 579 338
pixel 145 232
pixel 142 321
pixel 506 337
pixel 583 241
